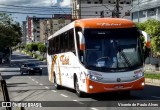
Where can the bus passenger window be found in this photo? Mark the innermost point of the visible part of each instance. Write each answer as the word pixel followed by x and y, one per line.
pixel 71 41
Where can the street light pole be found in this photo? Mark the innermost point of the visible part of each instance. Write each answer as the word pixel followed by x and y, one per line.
pixel 117 8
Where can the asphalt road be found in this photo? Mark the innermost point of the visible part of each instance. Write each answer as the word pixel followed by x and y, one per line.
pixel 38 88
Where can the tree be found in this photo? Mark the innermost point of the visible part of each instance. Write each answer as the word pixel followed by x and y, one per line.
pixel 10 32
pixel 42 48
pixel 152 27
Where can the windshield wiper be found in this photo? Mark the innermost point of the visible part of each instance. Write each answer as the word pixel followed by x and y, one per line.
pixel 125 57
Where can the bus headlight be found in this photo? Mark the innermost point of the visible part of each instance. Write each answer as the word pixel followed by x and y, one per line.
pixel 138 75
pixel 95 77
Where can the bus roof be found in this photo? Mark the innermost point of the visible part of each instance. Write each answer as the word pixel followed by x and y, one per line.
pixel 102 23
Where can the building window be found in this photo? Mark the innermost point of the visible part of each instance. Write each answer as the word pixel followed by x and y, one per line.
pixel 151 12
pixel 127 2
pixel 121 2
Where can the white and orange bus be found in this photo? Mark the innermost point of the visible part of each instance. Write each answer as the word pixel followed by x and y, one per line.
pixel 97 55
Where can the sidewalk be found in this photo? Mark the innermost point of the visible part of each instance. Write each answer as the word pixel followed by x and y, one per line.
pixel 155 82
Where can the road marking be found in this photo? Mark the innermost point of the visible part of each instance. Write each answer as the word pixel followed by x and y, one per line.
pixel 37 82
pixel 78 102
pixel 33 80
pixel 155 97
pixel 53 91
pixel 94 108
pixel 41 84
pixel 46 87
pixel 64 95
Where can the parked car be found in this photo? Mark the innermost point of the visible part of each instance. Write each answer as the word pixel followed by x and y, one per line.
pixel 30 68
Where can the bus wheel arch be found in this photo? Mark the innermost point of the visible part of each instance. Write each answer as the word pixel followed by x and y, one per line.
pixel 76 86
pixel 56 86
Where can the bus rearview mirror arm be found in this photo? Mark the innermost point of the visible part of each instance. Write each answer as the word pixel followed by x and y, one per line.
pixel 81 41
pixel 146 37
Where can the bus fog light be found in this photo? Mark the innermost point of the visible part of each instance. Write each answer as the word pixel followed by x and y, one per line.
pixel 91 87
pixel 142 84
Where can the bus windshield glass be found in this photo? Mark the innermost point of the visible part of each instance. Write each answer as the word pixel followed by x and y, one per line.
pixel 112 49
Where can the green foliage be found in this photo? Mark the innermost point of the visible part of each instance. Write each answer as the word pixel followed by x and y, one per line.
pixel 41 48
pixel 28 48
pixel 155 42
pixel 31 47
pixel 40 58
pixel 152 27
pixel 34 46
pixel 10 32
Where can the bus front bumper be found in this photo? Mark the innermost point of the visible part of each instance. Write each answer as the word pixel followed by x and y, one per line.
pixel 97 87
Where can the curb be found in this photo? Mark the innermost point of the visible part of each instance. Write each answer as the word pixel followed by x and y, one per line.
pixel 152 81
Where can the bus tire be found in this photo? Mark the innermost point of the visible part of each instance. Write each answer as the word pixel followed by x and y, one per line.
pixel 78 92
pixel 21 73
pixel 56 86
pixel 126 93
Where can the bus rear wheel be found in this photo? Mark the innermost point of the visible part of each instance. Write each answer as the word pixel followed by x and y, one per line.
pixel 78 92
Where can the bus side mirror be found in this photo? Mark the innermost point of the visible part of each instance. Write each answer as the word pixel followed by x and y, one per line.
pixel 81 41
pixel 147 38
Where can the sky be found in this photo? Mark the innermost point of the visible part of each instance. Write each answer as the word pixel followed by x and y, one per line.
pixel 44 7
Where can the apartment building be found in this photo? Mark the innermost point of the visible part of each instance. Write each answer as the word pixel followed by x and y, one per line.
pixel 24 32
pixel 100 8
pixel 50 26
pixel 33 28
pixel 145 9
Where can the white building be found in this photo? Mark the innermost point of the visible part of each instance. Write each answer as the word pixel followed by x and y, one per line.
pixel 33 29
pixel 145 9
pixel 100 8
pixel 50 26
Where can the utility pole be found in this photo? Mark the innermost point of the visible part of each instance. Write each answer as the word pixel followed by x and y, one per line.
pixel 117 8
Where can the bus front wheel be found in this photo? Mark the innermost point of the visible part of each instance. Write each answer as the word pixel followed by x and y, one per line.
pixel 78 92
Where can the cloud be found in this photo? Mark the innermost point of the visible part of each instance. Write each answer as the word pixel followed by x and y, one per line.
pixel 37 3
pixel 65 3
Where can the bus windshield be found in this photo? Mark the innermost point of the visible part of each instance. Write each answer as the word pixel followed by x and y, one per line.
pixel 112 49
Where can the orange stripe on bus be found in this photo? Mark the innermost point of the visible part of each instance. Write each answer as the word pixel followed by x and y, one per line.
pixel 82 46
pixel 101 87
pixel 104 23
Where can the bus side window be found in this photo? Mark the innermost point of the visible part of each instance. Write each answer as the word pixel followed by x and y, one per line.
pixel 65 41
pixel 53 46
pixel 57 45
pixel 71 41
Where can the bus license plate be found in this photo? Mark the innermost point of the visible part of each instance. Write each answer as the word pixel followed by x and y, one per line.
pixel 119 87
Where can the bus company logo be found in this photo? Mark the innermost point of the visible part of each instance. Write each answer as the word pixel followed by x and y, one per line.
pixel 108 24
pixel 55 58
pixel 64 60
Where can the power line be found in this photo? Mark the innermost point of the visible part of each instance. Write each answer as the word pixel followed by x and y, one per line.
pixel 26 13
pixel 33 7
pixel 40 10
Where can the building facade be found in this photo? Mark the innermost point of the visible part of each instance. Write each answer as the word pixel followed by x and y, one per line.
pixel 33 29
pixel 24 32
pixel 50 26
pixel 145 9
pixel 100 8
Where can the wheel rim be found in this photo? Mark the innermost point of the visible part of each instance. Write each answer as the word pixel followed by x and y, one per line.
pixel 77 87
pixel 55 82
